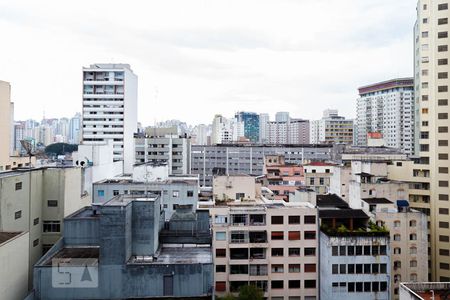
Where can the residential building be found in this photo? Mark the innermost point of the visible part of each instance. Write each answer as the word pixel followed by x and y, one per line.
pixel 267 243
pixel 75 129
pixel 332 128
pixel 110 109
pixel 8 159
pixel 354 256
pixel 264 120
pixel 387 107
pixel 226 130
pixel 14 252
pixel 282 116
pixel 201 134
pixel 431 84
pixel 163 145
pixel 318 175
pixel 424 290
pixel 174 191
pixel 293 131
pixel 36 201
pixel 282 178
pixel 235 159
pixel 251 125
pixel 128 253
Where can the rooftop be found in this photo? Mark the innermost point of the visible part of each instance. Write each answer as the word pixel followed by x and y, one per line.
pixel 377 201
pixel 342 214
pixel 180 254
pixel 385 85
pixel 319 164
pixel 76 256
pixel 248 145
pixel 124 200
pixel 331 200
pixel 6 236
pixel 426 290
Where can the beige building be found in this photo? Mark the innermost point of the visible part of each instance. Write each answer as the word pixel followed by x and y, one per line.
pixel 8 159
pixel 318 176
pixel 432 110
pixel 36 201
pixel 13 265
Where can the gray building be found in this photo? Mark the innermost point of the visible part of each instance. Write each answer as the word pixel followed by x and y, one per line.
pixel 121 249
pixel 164 145
pixel 238 159
pixel 174 191
pixel 354 258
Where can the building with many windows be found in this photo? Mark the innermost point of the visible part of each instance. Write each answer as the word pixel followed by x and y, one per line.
pixel 251 125
pixel 332 128
pixel 110 109
pixel 388 108
pixel 292 131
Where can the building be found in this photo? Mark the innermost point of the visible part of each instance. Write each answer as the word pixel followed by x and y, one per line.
pixel 226 130
pixel 75 129
pixel 431 83
pixel 14 265
pixel 424 290
pixel 387 107
pixel 332 128
pixel 36 201
pixel 270 244
pixel 8 159
pixel 164 145
pixel 282 116
pixel 354 256
pixel 174 191
pixel 128 253
pixel 251 125
pixel 110 109
pixel 201 134
pixel 318 175
pixel 293 131
pixel 264 120
pixel 282 178
pixel 238 159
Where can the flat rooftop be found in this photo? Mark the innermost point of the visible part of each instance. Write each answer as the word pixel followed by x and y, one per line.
pixel 75 256
pixel 6 236
pixel 426 290
pixel 377 201
pixel 343 214
pixel 124 200
pixel 85 212
pixel 331 200
pixel 185 255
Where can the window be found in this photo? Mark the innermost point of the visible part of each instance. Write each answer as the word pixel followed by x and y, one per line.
pixel 115 192
pixel 442 48
pixel 220 219
pixel 443 224
pixel 351 250
pixel 310 268
pixel 396 237
pixel 238 269
pixel 310 284
pixel 277 235
pixel 443 170
pixel 443 156
pixel 294 284
pixel 442 102
pixel 397 250
pixel 351 269
pixel 443 143
pixel 442 61
pixel 366 268
pixel 190 193
pixel 221 286
pixel 335 250
pixel 240 196
pixel 375 268
pixel 413 263
pixel 397 224
pixel 342 269
pixel 413 237
pixel 36 221
pixel 52 203
pixel 51 226
pixel 277 284
pixel 310 235
pixel 442 129
pixel 443 211
pixel 366 250
pixel 277 220
pixel 442 75
pixel 359 268
pixel 175 194
pixel 294 251
pixel 221 252
pixel 383 250
pixel 18 186
pixel 443 6
pixel 221 236
pixel 35 242
pixel 442 35
pixel 335 269
pixel 309 251
pixel 358 250
pixel 310 219
pixel 221 268
pixel 277 252
pixel 443 238
pixel 412 223
pixel 442 21
pixel 294 235
pixel 18 215
pixel 443 197
pixel 294 219
pixel 425 34
pixel 413 250
pixel 294 268
pixel 443 183
pixel 413 277
pixel 444 252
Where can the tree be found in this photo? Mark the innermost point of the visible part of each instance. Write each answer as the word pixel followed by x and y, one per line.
pixel 60 149
pixel 250 292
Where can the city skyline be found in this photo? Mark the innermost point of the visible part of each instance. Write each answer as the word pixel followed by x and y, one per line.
pixel 235 65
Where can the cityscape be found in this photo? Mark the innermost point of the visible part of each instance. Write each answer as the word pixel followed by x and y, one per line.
pixel 339 197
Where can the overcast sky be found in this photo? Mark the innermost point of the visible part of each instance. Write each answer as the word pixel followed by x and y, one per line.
pixel 198 58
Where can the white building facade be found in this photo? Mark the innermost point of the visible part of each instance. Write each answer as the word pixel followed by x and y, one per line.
pixel 332 128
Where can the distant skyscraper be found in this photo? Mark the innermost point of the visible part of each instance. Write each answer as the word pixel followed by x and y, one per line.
pixel 263 127
pixel 226 130
pixel 293 131
pixel 282 116
pixel 331 129
pixel 251 125
pixel 75 129
pixel 387 107
pixel 110 109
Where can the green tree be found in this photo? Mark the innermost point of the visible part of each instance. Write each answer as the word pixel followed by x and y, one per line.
pixel 250 292
pixel 60 149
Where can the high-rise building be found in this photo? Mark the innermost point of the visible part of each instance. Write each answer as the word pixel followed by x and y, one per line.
pixel 332 128
pixel 282 116
pixel 388 108
pixel 200 134
pixel 263 127
pixel 226 130
pixel 432 96
pixel 75 129
pixel 110 109
pixel 251 125
pixel 293 131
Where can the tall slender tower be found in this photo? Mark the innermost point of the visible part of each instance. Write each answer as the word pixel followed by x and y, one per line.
pixel 432 124
pixel 110 109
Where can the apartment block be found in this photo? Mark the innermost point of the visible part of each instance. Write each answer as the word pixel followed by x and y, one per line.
pixel 164 145
pixel 432 144
pixel 110 109
pixel 292 131
pixel 388 108
pixel 269 244
pixel 226 130
pixel 129 254
pixel 332 128
pixel 251 125
pixel 318 175
pixel 238 159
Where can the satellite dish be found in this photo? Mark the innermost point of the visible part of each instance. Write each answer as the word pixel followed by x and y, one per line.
pixel 27 146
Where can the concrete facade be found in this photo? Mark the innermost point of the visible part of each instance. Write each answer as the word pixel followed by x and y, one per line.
pixel 292 131
pixel 332 128
pixel 317 176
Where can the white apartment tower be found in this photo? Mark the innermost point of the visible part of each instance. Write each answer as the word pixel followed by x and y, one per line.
pixel 432 96
pixel 388 108
pixel 226 130
pixel 110 109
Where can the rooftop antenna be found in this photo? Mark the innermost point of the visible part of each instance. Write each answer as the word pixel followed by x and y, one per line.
pixel 156 101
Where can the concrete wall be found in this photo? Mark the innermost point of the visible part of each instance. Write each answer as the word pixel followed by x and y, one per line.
pixel 14 267
pixel 226 187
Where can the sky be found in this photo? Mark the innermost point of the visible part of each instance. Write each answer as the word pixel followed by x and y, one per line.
pixel 198 58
